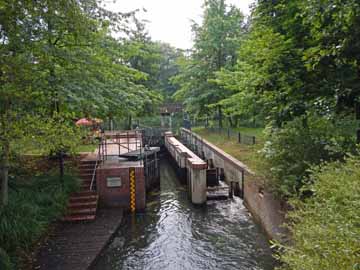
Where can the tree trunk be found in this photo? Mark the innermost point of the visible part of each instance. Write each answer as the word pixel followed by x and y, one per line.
pixel 61 166
pixel 231 124
pixel 236 121
pixel 357 117
pixel 220 116
pixel 5 175
pixel 129 122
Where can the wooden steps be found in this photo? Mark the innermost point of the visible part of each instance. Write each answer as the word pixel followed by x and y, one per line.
pixel 83 204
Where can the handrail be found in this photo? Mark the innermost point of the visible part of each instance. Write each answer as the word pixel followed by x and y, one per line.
pixel 93 175
pixel 96 165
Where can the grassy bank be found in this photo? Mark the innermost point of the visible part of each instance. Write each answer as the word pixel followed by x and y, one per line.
pixel 248 154
pixel 86 148
pixel 33 149
pixel 34 203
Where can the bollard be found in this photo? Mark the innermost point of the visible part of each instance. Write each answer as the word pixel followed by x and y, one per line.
pixel 239 137
pixel 228 133
pixel 253 139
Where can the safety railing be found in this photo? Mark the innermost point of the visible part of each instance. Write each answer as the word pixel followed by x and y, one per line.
pixel 116 143
pixel 93 177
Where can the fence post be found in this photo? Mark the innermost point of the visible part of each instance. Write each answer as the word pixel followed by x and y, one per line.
pixel 239 137
pixel 254 140
pixel 242 184
pixel 228 133
pixel 357 117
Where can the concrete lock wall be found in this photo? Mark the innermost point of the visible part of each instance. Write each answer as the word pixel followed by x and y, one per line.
pixel 196 168
pixel 234 170
pixel 264 207
pixel 198 186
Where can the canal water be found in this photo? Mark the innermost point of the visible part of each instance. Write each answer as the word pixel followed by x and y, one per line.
pixel 175 235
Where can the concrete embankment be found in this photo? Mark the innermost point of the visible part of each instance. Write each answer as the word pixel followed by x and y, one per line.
pixel 265 208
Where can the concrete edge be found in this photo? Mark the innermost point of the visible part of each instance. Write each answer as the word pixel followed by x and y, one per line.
pixel 220 152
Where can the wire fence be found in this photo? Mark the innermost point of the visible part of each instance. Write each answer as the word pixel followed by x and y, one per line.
pixel 232 134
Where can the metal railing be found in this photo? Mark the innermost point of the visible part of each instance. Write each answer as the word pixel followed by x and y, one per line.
pixel 241 137
pixel 94 175
pixel 113 142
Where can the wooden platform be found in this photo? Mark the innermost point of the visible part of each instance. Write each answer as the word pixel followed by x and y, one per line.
pixel 75 246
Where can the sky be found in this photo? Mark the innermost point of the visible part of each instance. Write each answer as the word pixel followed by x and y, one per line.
pixel 170 20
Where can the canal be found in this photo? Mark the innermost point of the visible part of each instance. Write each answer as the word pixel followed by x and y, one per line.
pixel 174 234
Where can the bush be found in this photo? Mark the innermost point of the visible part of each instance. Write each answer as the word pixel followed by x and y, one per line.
pixel 302 143
pixel 326 227
pixel 5 263
pixel 33 205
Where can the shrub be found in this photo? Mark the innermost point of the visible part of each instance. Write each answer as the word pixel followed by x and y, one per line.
pixel 5 263
pixel 302 143
pixel 326 227
pixel 33 205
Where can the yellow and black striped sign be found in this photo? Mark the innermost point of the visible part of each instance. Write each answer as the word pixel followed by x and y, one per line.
pixel 132 190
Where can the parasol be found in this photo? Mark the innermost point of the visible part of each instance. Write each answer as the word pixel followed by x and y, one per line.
pixel 83 122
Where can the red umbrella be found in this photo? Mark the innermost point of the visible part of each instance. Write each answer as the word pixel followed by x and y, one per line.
pixel 84 122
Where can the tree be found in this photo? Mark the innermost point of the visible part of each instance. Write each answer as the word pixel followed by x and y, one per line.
pixel 168 69
pixel 58 59
pixel 216 43
pixel 296 58
pixel 16 95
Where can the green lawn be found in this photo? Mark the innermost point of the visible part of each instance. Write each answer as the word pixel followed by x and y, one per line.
pixel 248 154
pixel 86 148
pixel 31 149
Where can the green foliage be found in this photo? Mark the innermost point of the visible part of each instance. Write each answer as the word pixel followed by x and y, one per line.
pixel 302 143
pixel 298 56
pixel 257 87
pixel 5 262
pixel 216 42
pixel 325 228
pixel 168 69
pixel 33 205
pixel 59 61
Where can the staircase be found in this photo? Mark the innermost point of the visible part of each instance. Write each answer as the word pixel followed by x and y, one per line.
pixel 83 204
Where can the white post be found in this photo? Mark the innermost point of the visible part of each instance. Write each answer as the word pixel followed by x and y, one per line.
pixel 198 186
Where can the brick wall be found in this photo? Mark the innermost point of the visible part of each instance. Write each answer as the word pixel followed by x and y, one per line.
pixel 120 196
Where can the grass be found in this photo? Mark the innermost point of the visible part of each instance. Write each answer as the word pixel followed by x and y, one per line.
pixel 33 205
pixel 248 154
pixel 33 149
pixel 86 148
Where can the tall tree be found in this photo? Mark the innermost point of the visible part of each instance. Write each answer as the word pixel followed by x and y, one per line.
pixel 58 60
pixel 216 43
